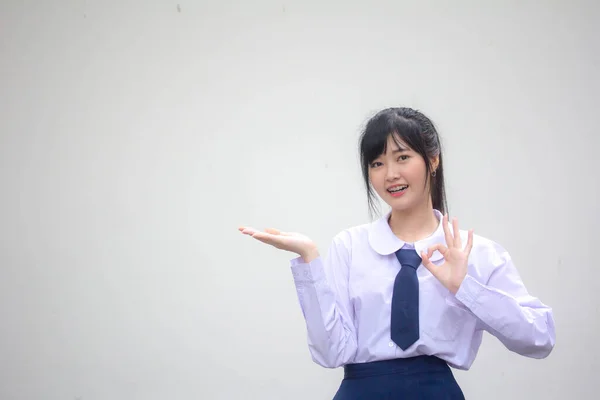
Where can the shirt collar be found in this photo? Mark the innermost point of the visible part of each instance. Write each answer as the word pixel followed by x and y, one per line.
pixel 384 242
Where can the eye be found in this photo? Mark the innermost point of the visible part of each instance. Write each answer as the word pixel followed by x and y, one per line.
pixel 403 157
pixel 375 164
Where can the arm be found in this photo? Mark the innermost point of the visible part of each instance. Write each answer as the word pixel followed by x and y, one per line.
pixel 322 289
pixel 506 310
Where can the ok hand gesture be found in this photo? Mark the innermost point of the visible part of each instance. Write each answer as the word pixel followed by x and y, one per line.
pixel 454 269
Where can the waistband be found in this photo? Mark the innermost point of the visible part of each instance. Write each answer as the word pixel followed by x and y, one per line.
pixel 411 365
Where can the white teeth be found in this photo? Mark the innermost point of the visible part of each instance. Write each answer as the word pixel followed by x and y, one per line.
pixel 397 188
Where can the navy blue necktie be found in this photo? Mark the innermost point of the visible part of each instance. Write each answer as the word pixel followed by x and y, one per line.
pixel 405 300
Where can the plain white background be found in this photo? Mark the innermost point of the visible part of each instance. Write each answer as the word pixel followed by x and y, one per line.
pixel 135 136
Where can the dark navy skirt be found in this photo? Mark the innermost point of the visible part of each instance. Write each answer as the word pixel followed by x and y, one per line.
pixel 418 378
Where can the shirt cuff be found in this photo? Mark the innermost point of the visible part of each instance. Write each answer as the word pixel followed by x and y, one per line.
pixel 469 291
pixel 307 272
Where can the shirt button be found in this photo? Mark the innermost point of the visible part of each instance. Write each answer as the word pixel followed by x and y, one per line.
pixel 391 344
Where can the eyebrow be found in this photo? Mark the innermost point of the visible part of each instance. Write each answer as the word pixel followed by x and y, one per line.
pixel 400 150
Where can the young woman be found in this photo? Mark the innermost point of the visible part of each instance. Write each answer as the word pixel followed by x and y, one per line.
pixel 399 301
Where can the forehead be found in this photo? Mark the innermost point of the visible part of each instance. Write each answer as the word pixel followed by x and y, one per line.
pixel 395 144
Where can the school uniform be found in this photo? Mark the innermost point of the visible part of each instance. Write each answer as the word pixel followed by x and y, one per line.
pixel 346 299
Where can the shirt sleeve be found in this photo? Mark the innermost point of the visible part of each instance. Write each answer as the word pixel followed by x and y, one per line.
pixel 322 289
pixel 506 310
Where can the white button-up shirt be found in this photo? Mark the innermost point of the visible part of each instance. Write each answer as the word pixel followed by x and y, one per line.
pixel 346 298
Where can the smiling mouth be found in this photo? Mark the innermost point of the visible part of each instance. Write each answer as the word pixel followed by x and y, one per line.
pixel 398 189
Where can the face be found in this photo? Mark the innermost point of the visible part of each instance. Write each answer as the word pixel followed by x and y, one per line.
pixel 399 176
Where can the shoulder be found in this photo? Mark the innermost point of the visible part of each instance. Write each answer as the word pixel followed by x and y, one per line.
pixel 351 238
pixel 354 234
pixel 486 254
pixel 484 245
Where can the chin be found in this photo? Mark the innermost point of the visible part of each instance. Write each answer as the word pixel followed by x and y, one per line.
pixel 403 204
pixel 399 204
pixel 401 208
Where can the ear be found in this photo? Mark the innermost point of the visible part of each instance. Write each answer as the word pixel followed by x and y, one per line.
pixel 435 162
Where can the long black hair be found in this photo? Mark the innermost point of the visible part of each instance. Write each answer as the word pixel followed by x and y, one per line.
pixel 418 132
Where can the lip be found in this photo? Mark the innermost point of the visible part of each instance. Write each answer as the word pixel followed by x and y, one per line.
pixel 396 185
pixel 396 194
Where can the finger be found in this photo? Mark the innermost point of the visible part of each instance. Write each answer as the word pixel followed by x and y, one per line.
pixel 431 267
pixel 469 242
pixel 457 240
pixel 247 230
pixel 278 232
pixel 268 238
pixel 447 234
pixel 439 247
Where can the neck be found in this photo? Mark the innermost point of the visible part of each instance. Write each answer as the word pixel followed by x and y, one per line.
pixel 413 225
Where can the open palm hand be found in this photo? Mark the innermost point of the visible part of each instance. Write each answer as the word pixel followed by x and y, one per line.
pixel 290 241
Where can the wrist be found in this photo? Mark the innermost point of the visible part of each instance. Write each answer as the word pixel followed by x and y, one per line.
pixel 453 289
pixel 455 286
pixel 310 254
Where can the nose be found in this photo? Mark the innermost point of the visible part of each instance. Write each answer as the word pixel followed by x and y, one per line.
pixel 392 173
